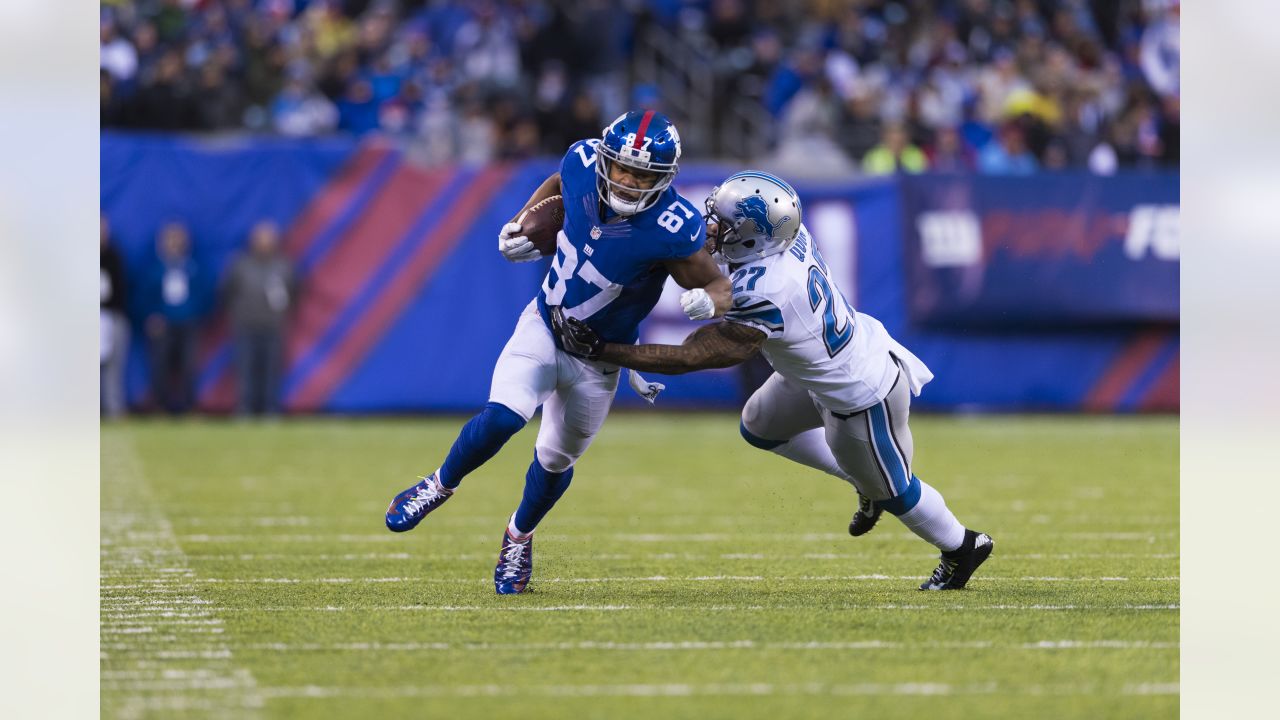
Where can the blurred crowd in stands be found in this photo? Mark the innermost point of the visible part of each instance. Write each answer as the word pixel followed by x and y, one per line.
pixel 1001 86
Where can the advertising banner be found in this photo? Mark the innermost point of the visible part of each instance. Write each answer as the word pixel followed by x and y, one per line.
pixel 1050 251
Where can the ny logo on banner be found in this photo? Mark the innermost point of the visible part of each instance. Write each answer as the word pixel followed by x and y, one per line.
pixel 950 238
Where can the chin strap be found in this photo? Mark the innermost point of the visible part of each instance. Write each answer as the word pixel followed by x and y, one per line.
pixel 615 202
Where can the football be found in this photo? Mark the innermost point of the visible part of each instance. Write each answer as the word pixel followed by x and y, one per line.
pixel 542 222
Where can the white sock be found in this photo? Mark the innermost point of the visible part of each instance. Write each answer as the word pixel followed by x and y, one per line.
pixel 810 448
pixel 440 482
pixel 515 532
pixel 933 521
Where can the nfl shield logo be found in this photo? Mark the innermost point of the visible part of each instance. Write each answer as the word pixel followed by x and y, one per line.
pixel 595 232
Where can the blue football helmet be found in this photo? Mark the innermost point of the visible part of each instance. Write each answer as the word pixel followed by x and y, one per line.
pixel 756 214
pixel 644 140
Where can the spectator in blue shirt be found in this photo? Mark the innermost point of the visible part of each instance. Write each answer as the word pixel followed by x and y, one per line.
pixel 790 77
pixel 176 299
pixel 358 109
pixel 1007 154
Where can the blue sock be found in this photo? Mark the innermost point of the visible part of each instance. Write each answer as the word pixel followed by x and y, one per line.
pixel 903 503
pixel 481 438
pixel 542 489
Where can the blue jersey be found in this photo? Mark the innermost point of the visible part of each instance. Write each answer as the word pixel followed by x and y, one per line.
pixel 608 271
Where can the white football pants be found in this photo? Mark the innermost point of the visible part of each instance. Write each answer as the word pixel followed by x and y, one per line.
pixel 575 394
pixel 873 446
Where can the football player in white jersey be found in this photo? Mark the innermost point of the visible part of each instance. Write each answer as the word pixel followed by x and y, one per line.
pixel 840 394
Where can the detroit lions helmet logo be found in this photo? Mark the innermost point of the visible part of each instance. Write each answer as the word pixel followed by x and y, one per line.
pixel 755 209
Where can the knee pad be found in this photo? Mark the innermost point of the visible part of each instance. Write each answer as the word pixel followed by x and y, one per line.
pixel 751 411
pixel 756 440
pixel 551 460
pixel 502 419
pixel 754 422
pixel 546 482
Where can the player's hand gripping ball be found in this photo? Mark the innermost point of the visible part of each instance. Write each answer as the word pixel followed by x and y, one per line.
pixel 515 246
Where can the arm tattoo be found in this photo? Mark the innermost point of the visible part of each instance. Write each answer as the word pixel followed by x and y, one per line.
pixel 717 345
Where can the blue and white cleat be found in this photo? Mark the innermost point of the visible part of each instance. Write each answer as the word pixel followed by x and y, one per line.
pixel 409 507
pixel 515 565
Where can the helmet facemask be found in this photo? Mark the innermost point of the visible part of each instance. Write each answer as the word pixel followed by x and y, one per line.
pixel 613 192
pixel 725 234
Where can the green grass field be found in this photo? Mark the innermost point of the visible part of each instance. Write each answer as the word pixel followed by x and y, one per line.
pixel 246 572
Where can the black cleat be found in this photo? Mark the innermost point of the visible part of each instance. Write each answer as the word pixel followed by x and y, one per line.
pixel 865 517
pixel 958 565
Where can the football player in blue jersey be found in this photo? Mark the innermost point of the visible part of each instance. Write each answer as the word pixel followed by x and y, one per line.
pixel 840 395
pixel 625 232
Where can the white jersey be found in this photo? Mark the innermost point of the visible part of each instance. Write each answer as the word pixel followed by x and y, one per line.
pixel 844 358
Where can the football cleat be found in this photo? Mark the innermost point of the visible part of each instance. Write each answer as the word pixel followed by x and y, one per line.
pixel 515 565
pixel 865 517
pixel 409 507
pixel 958 565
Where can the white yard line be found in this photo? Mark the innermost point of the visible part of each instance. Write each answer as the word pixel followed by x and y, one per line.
pixel 797 537
pixel 714 689
pixel 695 645
pixel 353 521
pixel 619 579
pixel 351 557
pixel 688 608
pixel 845 557
pixel 158 609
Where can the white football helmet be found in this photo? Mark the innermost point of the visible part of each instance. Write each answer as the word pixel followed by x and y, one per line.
pixel 758 215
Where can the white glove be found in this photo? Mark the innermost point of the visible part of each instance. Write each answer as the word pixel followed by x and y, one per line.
pixel 697 304
pixel 645 389
pixel 516 248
